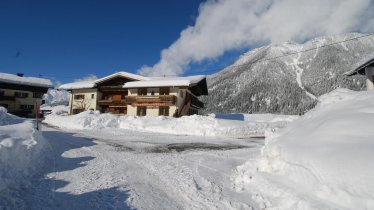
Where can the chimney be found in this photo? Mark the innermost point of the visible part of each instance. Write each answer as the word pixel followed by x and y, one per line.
pixel 20 74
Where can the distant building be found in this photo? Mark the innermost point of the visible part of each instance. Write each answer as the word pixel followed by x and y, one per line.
pixel 19 94
pixel 131 94
pixel 364 67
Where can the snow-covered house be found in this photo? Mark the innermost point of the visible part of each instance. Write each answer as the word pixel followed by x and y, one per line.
pixel 364 67
pixel 131 94
pixel 19 94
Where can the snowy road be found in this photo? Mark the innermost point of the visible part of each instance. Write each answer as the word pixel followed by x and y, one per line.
pixel 119 169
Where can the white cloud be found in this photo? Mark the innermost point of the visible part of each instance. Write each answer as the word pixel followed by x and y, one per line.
pixel 89 77
pixel 224 25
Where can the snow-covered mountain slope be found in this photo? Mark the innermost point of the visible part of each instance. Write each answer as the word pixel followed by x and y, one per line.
pixel 289 85
pixel 56 97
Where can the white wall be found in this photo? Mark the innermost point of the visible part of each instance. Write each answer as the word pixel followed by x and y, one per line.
pixel 88 101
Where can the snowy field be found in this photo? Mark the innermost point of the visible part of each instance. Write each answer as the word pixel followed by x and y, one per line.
pixel 322 160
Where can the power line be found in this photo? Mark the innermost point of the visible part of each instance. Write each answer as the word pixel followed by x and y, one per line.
pixel 293 53
pixel 253 62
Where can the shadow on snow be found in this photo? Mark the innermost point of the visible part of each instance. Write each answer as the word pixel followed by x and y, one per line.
pixel 43 194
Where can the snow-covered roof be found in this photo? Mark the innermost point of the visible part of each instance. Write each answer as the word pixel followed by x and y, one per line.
pixel 122 74
pixel 143 81
pixel 166 82
pixel 359 66
pixel 78 85
pixel 31 81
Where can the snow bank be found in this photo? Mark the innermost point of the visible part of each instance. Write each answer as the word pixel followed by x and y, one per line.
pixel 22 152
pixel 324 160
pixel 257 117
pixel 59 110
pixel 187 125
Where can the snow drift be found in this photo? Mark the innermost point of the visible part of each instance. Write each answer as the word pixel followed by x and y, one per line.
pixel 324 160
pixel 22 152
pixel 187 125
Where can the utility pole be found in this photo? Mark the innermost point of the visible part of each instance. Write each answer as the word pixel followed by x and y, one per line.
pixel 36 111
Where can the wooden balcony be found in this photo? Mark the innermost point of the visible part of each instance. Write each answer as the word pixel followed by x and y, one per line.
pixel 111 88
pixel 159 99
pixel 112 102
pixel 7 98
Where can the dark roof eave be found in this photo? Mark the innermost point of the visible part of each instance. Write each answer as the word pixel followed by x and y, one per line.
pixel 360 69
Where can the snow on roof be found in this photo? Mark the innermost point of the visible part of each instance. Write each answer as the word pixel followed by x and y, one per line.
pixel 144 81
pixel 364 62
pixel 31 81
pixel 166 82
pixel 123 74
pixel 78 85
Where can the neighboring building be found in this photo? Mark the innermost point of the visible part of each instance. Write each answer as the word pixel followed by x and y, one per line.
pixel 126 93
pixel 365 67
pixel 19 94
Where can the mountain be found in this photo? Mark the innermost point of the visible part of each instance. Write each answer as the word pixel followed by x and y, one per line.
pixel 269 79
pixel 56 97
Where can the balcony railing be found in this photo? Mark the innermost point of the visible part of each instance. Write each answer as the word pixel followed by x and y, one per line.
pixel 7 98
pixel 112 102
pixel 152 99
pixel 111 88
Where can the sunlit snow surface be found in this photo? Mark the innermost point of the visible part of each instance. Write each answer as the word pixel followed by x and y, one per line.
pixel 324 160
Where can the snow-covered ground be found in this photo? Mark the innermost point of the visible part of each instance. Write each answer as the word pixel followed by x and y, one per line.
pixel 187 125
pixel 22 153
pixel 324 160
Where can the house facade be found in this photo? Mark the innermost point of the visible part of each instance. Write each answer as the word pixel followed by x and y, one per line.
pixel 364 67
pixel 130 94
pixel 19 94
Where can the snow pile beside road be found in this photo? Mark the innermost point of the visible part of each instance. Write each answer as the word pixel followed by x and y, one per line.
pixel 267 117
pixel 59 110
pixel 187 125
pixel 21 154
pixel 325 160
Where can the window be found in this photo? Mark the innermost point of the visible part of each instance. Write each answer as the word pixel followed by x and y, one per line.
pixel 78 97
pixel 26 107
pixel 92 96
pixel 37 95
pixel 142 91
pixel 1 93
pixel 4 105
pixel 152 92
pixel 181 93
pixel 21 94
pixel 141 111
pixel 164 91
pixel 163 111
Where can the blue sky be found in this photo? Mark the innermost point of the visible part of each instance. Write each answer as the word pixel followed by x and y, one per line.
pixel 66 40
pixel 70 39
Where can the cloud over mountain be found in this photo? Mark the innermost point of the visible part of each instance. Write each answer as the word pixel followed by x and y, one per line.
pixel 224 25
